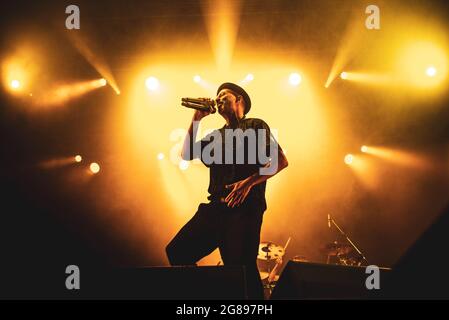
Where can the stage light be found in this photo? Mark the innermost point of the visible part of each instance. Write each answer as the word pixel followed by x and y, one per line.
pixel 222 29
pixel 349 159
pixel 94 167
pixel 352 37
pixel 15 84
pixel 249 77
pixel 183 165
pixel 103 82
pixel 78 158
pixel 423 64
pixel 400 157
pixel 431 71
pixel 160 156
pixel 66 92
pixel 197 79
pixel 364 149
pixel 95 59
pixel 152 83
pixel 344 75
pixel 294 79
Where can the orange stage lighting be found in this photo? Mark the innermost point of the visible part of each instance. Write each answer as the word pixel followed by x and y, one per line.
pixel 67 92
pixel 94 59
pixel 431 71
pixel 94 167
pixel 183 165
pixel 294 79
pixel 222 22
pixel 368 78
pixel 349 44
pixel 367 171
pixel 349 159
pixel 19 71
pixel 152 84
pixel 15 84
pixel 57 163
pixel 423 64
pixel 249 77
pixel 78 158
pixel 398 157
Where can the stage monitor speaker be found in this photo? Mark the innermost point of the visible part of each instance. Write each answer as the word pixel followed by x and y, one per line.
pixel 101 282
pixel 170 283
pixel 303 280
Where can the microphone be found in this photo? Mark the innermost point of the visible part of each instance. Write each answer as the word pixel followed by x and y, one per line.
pixel 202 104
pixel 329 220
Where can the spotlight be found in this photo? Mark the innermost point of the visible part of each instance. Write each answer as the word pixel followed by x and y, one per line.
pixel 344 75
pixel 364 149
pixel 15 84
pixel 197 79
pixel 78 158
pixel 94 167
pixel 423 64
pixel 152 83
pixel 294 79
pixel 431 71
pixel 349 158
pixel 183 165
pixel 160 156
pixel 103 82
pixel 249 77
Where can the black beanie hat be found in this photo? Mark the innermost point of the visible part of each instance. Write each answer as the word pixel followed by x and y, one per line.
pixel 239 91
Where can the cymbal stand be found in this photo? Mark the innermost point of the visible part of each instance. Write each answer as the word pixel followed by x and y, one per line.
pixel 331 220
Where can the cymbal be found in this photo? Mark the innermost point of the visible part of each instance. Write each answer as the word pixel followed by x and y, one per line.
pixel 300 258
pixel 264 276
pixel 336 249
pixel 270 251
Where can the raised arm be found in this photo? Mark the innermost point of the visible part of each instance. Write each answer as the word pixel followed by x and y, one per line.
pixel 190 144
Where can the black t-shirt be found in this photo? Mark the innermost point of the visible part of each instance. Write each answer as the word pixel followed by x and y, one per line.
pixel 250 151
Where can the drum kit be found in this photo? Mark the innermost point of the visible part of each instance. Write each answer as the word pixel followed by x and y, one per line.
pixel 269 262
pixel 344 252
pixel 341 253
pixel 270 256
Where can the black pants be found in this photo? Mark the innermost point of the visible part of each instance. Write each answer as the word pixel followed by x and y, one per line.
pixel 236 232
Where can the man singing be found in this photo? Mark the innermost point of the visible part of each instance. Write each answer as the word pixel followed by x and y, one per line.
pixel 241 156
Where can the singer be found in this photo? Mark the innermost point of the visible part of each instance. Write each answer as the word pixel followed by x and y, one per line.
pixel 232 219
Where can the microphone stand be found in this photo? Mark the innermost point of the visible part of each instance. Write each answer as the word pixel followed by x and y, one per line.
pixel 347 238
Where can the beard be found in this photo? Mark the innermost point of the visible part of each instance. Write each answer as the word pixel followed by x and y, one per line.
pixel 224 107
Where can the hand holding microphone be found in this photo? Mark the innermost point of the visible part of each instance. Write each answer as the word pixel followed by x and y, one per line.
pixel 202 104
